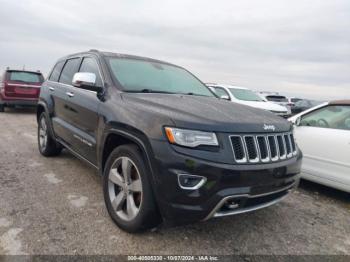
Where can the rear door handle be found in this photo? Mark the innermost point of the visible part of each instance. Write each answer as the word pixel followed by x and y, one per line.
pixel 51 88
pixel 70 94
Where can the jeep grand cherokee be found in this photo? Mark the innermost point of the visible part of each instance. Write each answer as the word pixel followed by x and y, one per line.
pixel 167 148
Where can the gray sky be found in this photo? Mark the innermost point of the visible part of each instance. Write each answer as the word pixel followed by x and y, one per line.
pixel 299 47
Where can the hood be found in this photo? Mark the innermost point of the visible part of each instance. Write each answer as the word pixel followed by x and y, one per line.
pixel 265 105
pixel 206 113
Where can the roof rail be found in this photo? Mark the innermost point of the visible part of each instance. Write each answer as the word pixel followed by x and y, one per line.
pixel 93 50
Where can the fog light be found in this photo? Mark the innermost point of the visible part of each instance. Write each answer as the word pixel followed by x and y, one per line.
pixel 231 204
pixel 191 182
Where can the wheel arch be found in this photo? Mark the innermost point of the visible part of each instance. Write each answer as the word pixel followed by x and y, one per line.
pixel 116 137
pixel 41 107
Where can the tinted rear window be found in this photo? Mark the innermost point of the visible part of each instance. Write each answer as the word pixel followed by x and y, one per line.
pixel 26 77
pixel 277 98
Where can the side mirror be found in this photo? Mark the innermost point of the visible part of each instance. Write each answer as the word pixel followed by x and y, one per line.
pixel 295 120
pixel 86 81
pixel 226 97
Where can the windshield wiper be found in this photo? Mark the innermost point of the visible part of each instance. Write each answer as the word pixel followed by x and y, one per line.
pixel 146 90
pixel 193 94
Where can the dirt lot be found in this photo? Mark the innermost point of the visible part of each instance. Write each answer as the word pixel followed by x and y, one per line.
pixel 55 206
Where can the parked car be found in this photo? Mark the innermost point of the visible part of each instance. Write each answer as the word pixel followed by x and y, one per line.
pixel 242 95
pixel 166 146
pixel 20 87
pixel 323 133
pixel 303 105
pixel 276 98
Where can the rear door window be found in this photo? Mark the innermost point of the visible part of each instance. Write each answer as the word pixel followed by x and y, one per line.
pixel 26 77
pixel 70 68
pixel 55 74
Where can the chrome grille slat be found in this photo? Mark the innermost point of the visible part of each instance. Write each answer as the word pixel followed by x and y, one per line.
pixel 288 145
pixel 294 149
pixel 273 148
pixel 251 149
pixel 263 148
pixel 238 148
pixel 281 147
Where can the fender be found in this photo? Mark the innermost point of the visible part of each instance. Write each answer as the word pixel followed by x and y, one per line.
pixel 132 137
pixel 138 141
pixel 47 112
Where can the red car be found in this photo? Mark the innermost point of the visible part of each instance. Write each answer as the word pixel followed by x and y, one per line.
pixel 19 87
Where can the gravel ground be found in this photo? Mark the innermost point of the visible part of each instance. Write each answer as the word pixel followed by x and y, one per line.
pixel 55 206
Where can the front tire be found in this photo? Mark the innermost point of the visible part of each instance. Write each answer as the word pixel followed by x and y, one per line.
pixel 47 144
pixel 127 191
pixel 2 108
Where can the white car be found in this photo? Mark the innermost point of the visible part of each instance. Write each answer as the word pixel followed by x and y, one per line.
pixel 276 98
pixel 323 135
pixel 247 97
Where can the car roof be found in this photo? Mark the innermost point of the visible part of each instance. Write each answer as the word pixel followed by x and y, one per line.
pixel 119 55
pixel 340 102
pixel 228 86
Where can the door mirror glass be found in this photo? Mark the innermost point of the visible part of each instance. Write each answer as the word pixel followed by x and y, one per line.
pixel 86 81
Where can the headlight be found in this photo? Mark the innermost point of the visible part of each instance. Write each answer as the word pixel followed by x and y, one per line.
pixel 190 138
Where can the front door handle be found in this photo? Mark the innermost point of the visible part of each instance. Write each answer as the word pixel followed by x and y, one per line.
pixel 51 88
pixel 70 94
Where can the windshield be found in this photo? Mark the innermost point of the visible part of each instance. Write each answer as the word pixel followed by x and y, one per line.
pixel 152 77
pixel 27 77
pixel 245 95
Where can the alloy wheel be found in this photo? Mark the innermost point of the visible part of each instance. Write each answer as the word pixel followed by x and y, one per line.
pixel 43 133
pixel 125 188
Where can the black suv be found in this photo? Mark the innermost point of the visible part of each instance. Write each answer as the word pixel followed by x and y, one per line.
pixel 166 146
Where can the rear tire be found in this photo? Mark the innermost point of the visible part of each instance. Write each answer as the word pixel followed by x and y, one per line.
pixel 127 190
pixel 47 144
pixel 2 108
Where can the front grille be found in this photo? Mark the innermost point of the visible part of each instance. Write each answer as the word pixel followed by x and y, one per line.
pixel 252 149
pixel 263 147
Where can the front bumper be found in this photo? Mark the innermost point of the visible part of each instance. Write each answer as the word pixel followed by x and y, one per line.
pixel 250 187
